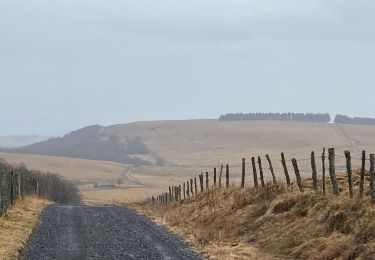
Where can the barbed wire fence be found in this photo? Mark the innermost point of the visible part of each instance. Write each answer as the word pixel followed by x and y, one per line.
pixel 260 171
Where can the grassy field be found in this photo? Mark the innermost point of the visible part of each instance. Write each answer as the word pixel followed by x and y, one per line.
pixel 195 146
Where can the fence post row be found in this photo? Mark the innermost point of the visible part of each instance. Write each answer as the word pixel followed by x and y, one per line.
pixel 15 185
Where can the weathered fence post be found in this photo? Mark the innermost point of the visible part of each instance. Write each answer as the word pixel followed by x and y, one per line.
pixel 1 192
pixel 243 173
pixel 170 193
pixel 283 162
pixel 179 192
pixel 349 171
pixel 324 171
pixel 215 176
pixel 195 185
pixel 314 172
pixel 372 177
pixel 201 181
pixel 220 175
pixel 332 171
pixel 362 179
pixel 184 190
pixel 11 187
pixel 271 169
pixel 19 185
pixel 261 171
pixel 207 181
pixel 191 187
pixel 227 176
pixel 187 189
pixel 255 176
pixel 298 175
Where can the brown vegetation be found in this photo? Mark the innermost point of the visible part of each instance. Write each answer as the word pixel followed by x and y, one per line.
pixel 17 224
pixel 273 223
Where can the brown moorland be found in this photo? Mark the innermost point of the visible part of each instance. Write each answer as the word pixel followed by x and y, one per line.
pixel 273 223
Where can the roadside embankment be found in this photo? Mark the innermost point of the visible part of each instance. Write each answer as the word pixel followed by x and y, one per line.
pixel 18 223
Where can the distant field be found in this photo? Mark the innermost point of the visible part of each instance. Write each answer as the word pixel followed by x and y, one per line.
pixel 195 146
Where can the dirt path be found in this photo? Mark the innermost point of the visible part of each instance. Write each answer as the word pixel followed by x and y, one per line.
pixel 83 232
pixel 353 144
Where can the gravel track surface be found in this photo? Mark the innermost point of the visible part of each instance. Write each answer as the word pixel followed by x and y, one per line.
pixel 105 232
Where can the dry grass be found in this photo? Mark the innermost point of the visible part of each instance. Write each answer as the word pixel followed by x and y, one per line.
pixel 272 223
pixel 71 168
pixel 17 224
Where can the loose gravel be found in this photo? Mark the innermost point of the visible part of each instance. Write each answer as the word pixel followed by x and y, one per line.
pixel 105 232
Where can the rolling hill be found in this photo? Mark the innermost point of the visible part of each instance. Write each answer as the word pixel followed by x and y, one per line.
pixel 203 142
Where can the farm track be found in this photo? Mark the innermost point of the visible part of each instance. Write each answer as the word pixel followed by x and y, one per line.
pixel 102 232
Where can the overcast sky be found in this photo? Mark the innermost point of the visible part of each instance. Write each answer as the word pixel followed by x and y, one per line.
pixel 65 64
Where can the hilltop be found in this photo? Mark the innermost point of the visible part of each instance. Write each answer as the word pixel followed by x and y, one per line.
pixel 202 142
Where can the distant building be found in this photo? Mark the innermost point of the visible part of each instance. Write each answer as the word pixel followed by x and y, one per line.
pixel 106 183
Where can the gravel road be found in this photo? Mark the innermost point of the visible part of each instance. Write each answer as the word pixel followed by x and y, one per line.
pixel 105 232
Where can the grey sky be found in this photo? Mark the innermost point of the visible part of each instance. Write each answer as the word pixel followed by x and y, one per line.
pixel 65 64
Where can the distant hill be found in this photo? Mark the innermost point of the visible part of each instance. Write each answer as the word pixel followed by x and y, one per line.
pixel 91 143
pixel 205 142
pixel 13 141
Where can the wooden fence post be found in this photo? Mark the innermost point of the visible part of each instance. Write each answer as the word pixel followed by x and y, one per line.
pixel 372 177
pixel 283 162
pixel 349 171
pixel 215 176
pixel 255 175
pixel 362 179
pixel 170 193
pixel 271 169
pixel 19 185
pixel 184 189
pixel 261 171
pixel 221 173
pixel 324 171
pixel 207 181
pixel 191 187
pixel 201 181
pixel 298 176
pixel 243 173
pixel 227 176
pixel 314 172
pixel 332 171
pixel 187 189
pixel 1 193
pixel 195 185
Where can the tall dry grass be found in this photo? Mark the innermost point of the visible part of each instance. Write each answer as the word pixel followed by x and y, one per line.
pixel 17 224
pixel 272 223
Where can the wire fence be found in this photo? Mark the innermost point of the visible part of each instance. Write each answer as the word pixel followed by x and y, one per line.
pixel 260 171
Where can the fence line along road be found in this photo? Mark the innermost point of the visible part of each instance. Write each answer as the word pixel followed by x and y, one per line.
pixel 176 193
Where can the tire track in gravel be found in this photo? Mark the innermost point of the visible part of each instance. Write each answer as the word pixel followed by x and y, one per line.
pixel 104 232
